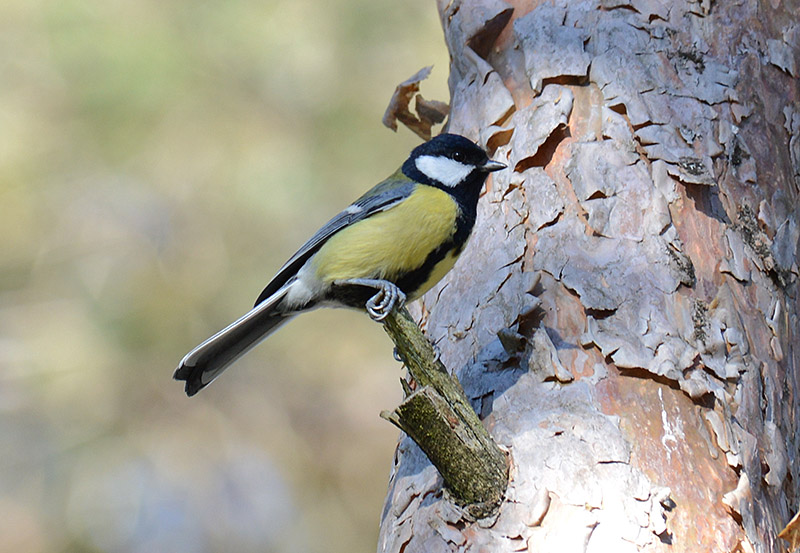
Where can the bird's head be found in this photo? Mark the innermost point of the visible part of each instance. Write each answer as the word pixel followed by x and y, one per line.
pixel 449 161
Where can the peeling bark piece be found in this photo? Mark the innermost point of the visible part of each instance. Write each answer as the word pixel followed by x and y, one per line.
pixel 740 111
pixel 740 498
pixel 536 123
pixel 690 120
pixel 493 16
pixel 503 309
pixel 664 183
pixel 776 456
pixel 544 361
pixel 567 529
pixel 577 259
pixel 766 218
pixel 785 244
pixel 561 423
pixel 616 190
pixel 783 54
pixel 739 155
pixel 486 90
pixel 694 385
pixel 792 126
pixel 650 8
pixel 650 340
pixel 725 438
pixel 538 507
pixel 448 532
pixel 499 103
pixel 417 477
pixel 510 521
pixel 700 7
pixel 512 341
pixel 551 48
pixel 693 170
pixel 710 328
pixel 608 536
pixel 664 142
pixel 715 421
pixel 545 203
pixel 704 78
pixel 494 137
pixel 736 264
pixel 594 166
pixel 645 8
pixel 615 66
pixel 616 127
pixel 405 91
pixel 475 25
pixel 758 243
pixel 658 521
pixel 398 538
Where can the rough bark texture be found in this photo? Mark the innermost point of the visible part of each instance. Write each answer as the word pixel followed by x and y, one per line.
pixel 646 385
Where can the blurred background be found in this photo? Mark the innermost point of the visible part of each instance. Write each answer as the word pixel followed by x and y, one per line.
pixel 158 162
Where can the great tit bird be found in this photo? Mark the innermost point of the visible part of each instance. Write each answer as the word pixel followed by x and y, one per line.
pixel 390 245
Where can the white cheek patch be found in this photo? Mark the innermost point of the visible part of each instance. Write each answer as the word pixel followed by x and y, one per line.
pixel 442 169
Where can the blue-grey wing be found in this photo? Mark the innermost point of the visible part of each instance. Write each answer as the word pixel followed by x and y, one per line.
pixel 385 195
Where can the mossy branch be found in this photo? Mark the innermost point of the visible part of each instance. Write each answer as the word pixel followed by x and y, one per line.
pixel 440 419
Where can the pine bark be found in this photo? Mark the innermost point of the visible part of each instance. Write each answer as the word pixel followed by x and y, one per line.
pixel 625 317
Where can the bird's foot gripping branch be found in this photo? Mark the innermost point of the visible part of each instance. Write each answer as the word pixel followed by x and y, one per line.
pixel 439 418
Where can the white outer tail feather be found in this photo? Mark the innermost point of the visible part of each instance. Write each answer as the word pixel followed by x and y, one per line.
pixel 191 366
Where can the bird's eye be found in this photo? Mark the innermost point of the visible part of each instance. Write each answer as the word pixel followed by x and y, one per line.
pixel 458 156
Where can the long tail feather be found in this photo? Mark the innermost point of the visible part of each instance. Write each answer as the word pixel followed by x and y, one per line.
pixel 207 361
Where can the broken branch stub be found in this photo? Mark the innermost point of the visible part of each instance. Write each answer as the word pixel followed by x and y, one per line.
pixel 440 419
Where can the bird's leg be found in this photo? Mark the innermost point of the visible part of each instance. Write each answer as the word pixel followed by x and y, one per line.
pixel 382 303
pixel 437 352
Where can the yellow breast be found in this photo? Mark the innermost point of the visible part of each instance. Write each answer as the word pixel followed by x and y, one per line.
pixel 389 244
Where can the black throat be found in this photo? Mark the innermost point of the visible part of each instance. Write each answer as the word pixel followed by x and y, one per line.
pixel 466 195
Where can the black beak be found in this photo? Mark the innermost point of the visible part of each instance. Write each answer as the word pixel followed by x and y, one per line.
pixel 491 166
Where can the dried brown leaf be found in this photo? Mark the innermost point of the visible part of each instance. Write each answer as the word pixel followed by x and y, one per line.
pixel 429 113
pixel 792 532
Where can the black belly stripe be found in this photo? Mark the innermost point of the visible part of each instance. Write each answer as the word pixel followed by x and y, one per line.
pixel 412 280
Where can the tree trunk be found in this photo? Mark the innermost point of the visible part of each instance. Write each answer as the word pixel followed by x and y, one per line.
pixel 624 318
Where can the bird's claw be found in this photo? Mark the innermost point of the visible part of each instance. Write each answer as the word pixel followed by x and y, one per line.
pixel 382 303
